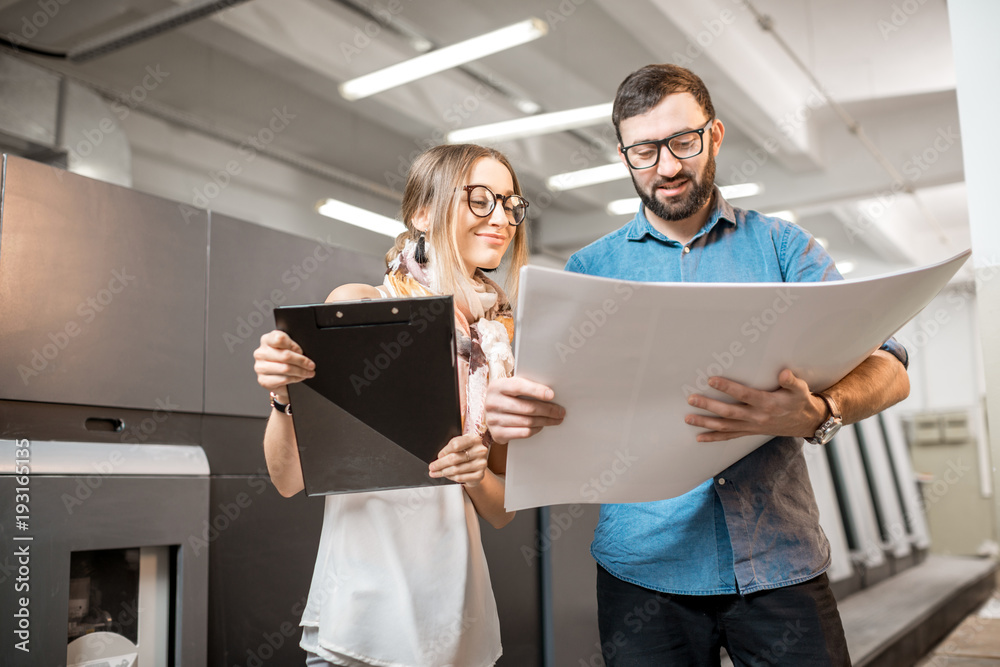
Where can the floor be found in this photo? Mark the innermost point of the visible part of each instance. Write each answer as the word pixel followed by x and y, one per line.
pixel 892 622
pixel 974 643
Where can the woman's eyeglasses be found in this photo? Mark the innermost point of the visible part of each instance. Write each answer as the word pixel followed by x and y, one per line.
pixel 482 201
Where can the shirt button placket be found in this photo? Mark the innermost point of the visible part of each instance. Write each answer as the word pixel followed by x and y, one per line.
pixel 684 268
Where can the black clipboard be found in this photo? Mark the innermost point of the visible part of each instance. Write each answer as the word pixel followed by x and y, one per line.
pixel 384 399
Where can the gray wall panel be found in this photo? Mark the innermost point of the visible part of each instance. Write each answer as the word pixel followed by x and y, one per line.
pixel 574 584
pixel 514 573
pixel 253 269
pixel 102 293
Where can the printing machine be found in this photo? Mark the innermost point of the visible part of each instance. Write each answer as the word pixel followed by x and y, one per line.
pixel 127 326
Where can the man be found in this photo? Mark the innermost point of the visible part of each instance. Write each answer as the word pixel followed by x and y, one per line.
pixel 740 560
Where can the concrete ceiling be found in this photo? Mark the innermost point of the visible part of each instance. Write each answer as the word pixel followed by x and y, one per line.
pixel 888 63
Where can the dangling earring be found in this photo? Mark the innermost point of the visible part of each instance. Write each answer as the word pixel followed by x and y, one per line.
pixel 420 254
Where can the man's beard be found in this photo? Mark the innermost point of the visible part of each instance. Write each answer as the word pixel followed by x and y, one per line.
pixel 699 193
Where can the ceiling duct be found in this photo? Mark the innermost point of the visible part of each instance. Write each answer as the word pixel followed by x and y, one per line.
pixel 47 118
pixel 168 19
pixel 137 31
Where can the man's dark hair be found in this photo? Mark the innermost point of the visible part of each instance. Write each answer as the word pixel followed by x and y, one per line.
pixel 644 88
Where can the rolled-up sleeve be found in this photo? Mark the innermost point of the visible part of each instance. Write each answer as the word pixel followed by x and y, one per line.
pixel 895 348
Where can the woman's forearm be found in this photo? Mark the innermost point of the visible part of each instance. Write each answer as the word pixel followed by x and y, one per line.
pixel 488 498
pixel 282 454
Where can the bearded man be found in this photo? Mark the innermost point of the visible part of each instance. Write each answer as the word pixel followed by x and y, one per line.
pixel 740 560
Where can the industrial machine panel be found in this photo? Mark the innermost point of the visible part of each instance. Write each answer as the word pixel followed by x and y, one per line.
pixel 262 548
pixel 102 293
pixel 252 269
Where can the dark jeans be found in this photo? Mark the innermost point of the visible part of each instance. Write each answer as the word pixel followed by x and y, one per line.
pixel 795 625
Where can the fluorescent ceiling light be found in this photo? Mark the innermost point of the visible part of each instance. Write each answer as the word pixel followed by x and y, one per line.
pixel 444 58
pixel 784 215
pixel 530 126
pixel 578 179
pixel 741 190
pixel 624 206
pixel 527 106
pixel 360 217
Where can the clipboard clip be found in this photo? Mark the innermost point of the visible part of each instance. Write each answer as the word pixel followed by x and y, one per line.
pixel 381 311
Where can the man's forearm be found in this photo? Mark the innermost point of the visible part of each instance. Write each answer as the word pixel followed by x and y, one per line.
pixel 878 382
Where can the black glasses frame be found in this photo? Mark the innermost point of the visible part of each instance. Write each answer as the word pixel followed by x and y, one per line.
pixel 511 218
pixel 660 143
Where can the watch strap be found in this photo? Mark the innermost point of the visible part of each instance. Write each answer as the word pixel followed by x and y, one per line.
pixel 279 406
pixel 830 425
pixel 830 403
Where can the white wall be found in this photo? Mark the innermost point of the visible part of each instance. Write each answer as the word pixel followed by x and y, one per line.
pixel 946 375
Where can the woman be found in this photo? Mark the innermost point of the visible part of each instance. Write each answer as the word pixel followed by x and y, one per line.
pixel 401 578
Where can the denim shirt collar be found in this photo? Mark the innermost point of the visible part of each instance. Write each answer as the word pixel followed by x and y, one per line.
pixel 640 227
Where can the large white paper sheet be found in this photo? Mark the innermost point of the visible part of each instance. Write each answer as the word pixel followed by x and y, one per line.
pixel 623 356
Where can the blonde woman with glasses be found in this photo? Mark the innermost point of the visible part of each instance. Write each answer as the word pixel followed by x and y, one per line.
pixel 401 579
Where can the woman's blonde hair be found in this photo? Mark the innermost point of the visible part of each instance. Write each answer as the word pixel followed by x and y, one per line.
pixel 434 183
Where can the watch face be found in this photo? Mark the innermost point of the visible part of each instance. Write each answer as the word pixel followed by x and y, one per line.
pixel 828 430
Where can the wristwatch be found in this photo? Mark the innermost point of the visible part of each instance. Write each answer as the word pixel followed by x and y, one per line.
pixel 282 407
pixel 830 426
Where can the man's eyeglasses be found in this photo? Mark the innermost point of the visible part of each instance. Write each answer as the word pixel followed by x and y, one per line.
pixel 682 146
pixel 482 201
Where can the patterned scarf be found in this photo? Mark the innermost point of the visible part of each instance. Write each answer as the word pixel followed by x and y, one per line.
pixel 484 326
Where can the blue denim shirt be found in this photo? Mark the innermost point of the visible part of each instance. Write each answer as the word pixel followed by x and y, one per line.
pixel 755 525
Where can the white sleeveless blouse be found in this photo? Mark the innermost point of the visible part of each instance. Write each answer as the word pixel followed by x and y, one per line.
pixel 401 579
